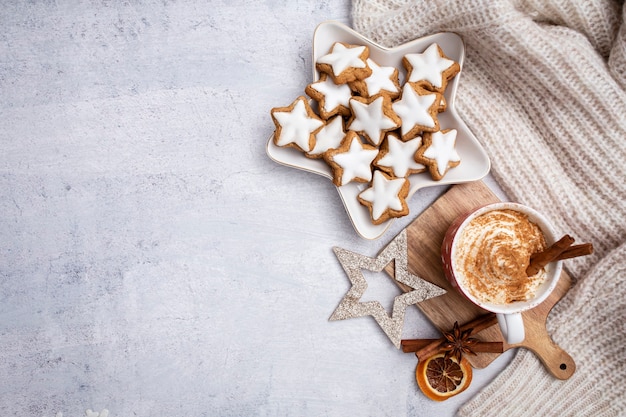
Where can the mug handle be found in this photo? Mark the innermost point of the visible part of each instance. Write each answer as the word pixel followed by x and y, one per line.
pixel 512 327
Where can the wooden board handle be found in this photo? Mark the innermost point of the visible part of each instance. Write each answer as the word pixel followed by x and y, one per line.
pixel 556 361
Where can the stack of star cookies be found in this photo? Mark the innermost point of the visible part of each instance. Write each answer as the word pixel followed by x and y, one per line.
pixel 370 128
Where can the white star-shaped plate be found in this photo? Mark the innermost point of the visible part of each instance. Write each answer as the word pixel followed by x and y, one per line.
pixel 475 163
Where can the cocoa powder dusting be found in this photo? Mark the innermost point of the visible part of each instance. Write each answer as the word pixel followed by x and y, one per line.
pixel 493 254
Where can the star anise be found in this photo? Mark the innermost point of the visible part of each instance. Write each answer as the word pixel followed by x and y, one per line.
pixel 458 342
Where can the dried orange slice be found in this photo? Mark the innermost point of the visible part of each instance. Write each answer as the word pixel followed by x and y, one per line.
pixel 440 378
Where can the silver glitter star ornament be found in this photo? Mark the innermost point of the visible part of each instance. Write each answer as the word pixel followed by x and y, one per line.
pixel 353 263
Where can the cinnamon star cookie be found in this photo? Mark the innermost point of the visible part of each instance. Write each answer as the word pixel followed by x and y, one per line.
pixel 345 63
pixel 296 125
pixel 352 161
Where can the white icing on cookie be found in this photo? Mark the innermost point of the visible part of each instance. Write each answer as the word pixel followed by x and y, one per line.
pixel 334 95
pixel 380 80
pixel 414 109
pixel 356 162
pixel 383 194
pixel 329 137
pixel 296 126
pixel 341 58
pixel 428 66
pixel 442 150
pixel 371 120
pixel 400 157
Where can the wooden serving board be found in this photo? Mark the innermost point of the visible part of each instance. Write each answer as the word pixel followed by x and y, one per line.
pixel 425 236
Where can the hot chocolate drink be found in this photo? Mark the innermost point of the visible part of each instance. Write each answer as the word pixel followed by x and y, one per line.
pixel 493 253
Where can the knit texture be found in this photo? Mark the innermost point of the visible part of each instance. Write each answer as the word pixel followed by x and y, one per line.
pixel 543 89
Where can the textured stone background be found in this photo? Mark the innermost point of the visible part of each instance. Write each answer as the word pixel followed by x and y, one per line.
pixel 153 260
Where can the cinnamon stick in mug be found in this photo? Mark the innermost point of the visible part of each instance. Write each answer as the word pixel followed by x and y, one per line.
pixel 541 259
pixel 575 251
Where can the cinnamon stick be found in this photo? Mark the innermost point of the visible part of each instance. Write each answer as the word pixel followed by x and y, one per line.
pixel 543 258
pixel 488 347
pixel 480 323
pixel 429 350
pixel 575 251
pixel 415 345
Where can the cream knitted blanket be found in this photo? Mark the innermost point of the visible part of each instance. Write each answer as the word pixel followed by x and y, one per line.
pixel 543 88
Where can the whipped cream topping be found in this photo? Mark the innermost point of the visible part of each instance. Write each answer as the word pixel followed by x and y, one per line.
pixel 492 255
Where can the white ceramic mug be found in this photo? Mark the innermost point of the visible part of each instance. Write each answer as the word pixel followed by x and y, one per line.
pixel 509 315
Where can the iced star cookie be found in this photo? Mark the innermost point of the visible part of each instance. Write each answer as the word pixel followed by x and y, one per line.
pixel 383 80
pixel 372 117
pixel 397 157
pixel 332 99
pixel 386 197
pixel 352 161
pixel 418 109
pixel 431 69
pixel 439 152
pixel 296 125
pixel 329 137
pixel 345 63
